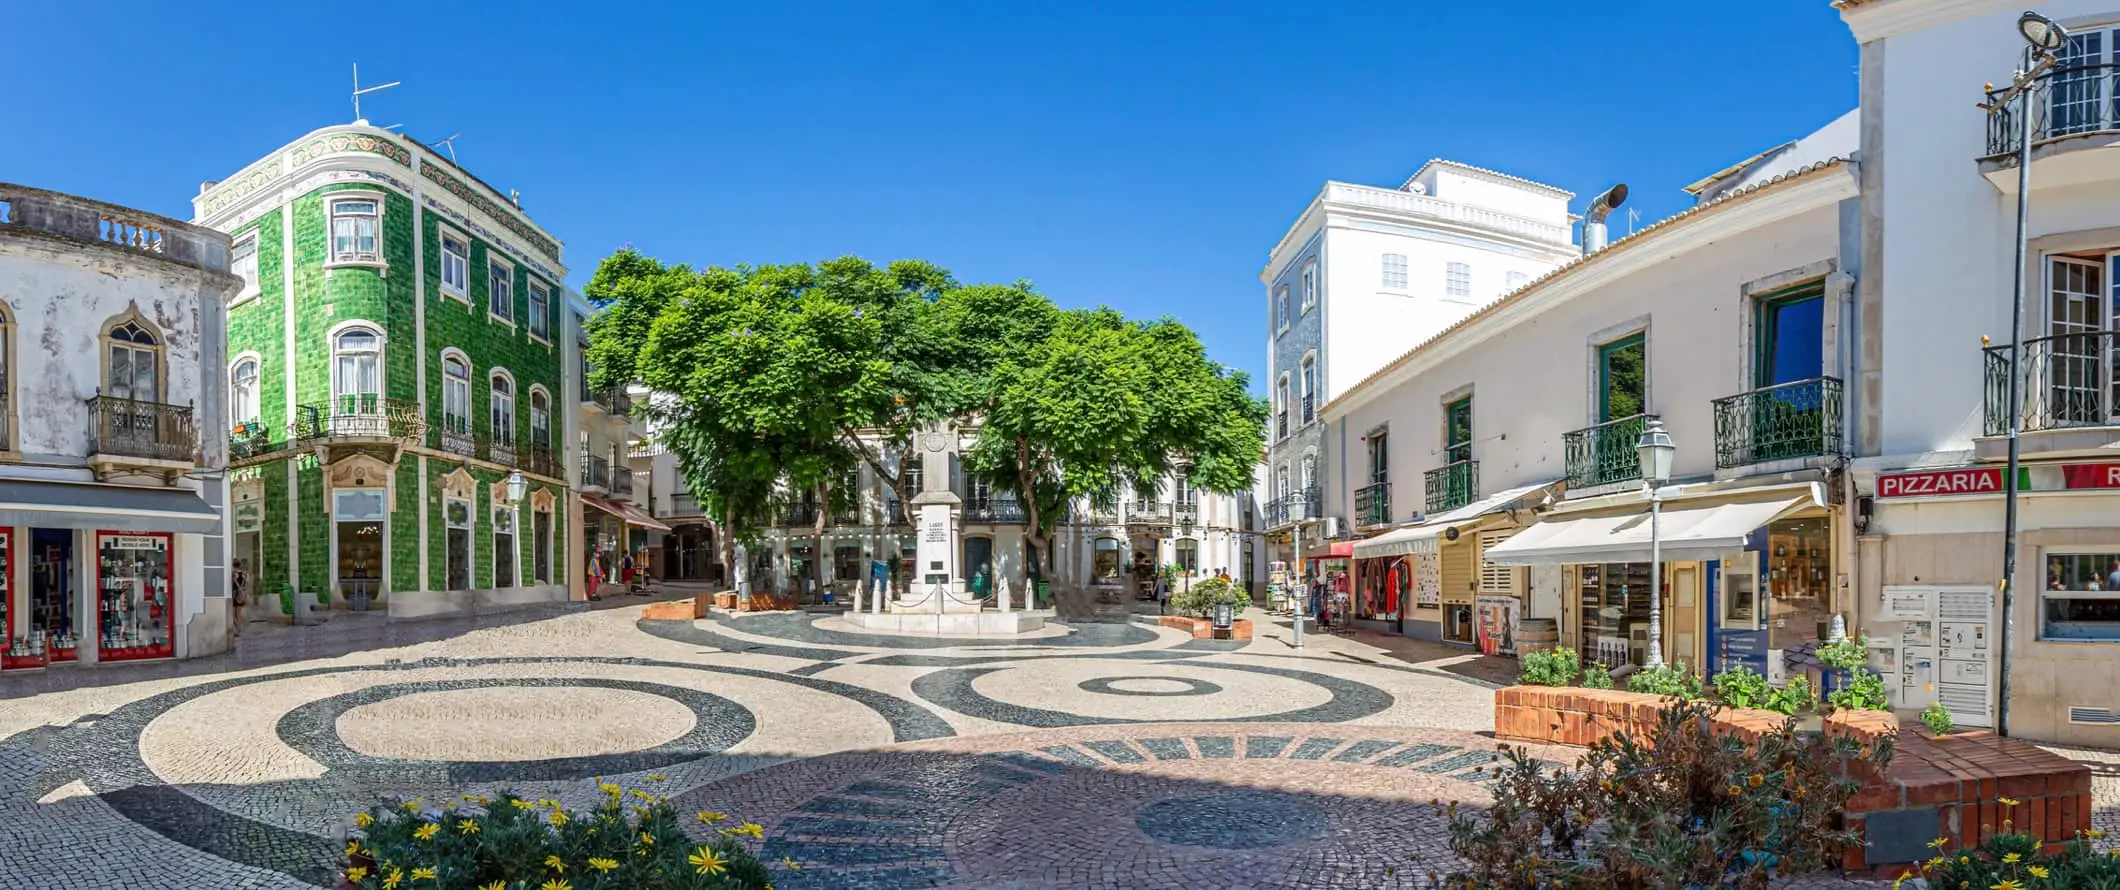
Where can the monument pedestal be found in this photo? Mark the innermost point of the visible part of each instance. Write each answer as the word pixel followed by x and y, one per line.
pixel 949 624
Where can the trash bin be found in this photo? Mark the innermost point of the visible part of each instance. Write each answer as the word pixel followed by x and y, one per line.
pixel 1045 595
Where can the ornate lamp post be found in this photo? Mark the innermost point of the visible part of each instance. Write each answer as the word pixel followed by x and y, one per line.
pixel 1655 451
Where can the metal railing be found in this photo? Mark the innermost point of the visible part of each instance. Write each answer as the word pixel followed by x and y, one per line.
pixel 685 503
pixel 1281 425
pixel 596 472
pixel 1402 201
pixel 457 441
pixel 1604 453
pixel 1186 512
pixel 1309 407
pixel 1372 504
pixel 621 482
pixel 147 430
pixel 2069 100
pixel 245 440
pixel 1148 513
pixel 541 460
pixel 501 451
pixel 359 416
pixel 994 508
pixel 2068 381
pixel 799 515
pixel 1452 485
pixel 1801 418
pixel 614 401
pixel 1296 506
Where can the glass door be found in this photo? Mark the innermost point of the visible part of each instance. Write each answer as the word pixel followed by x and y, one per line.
pixel 1788 414
pixel 2077 316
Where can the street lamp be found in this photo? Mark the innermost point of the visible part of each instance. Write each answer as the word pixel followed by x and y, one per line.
pixel 518 487
pixel 1655 452
pixel 2044 36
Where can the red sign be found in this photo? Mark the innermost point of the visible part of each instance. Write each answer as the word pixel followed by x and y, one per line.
pixel 2091 475
pixel 1971 480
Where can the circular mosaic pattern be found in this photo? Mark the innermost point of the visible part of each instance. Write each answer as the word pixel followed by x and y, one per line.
pixel 715 723
pixel 515 723
pixel 1148 686
pixel 1022 693
pixel 1234 820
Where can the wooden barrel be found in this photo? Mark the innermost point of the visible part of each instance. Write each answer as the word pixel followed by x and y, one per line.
pixel 1536 635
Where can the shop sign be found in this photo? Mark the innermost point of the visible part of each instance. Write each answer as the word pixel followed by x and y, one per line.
pixel 1972 480
pixel 2090 475
pixel 133 542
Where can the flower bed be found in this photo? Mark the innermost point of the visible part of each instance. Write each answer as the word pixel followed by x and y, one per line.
pixel 1204 628
pixel 1962 787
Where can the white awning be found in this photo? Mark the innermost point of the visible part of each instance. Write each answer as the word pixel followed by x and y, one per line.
pixel 1688 534
pixel 1422 538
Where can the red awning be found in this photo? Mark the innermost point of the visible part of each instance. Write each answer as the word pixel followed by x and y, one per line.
pixel 1334 550
pixel 632 515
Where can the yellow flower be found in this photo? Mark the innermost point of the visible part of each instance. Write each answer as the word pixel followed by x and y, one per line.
pixel 410 806
pixel 790 863
pixel 469 798
pixel 656 777
pixel 2094 834
pixel 643 795
pixel 423 873
pixel 363 820
pixel 647 840
pixel 1938 843
pixel 2006 885
pixel 1936 862
pixel 753 829
pixel 1756 780
pixel 496 885
pixel 556 864
pixel 611 789
pixel 556 884
pixel 602 864
pixel 467 826
pixel 710 817
pixel 426 832
pixel 356 873
pixel 2011 858
pixel 353 848
pixel 522 804
pixel 707 861
pixel 2036 871
pixel 396 877
pixel 548 803
pixel 1735 791
pixel 2008 802
pixel 559 817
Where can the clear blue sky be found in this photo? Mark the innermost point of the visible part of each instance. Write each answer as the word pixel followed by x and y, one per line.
pixel 1141 155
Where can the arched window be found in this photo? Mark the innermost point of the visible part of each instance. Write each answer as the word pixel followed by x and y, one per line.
pixel 456 396
pixel 1310 473
pixel 503 408
pixel 357 371
pixel 135 362
pixel 243 392
pixel 540 419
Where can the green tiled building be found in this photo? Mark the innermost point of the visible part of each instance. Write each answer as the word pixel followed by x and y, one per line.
pixel 400 379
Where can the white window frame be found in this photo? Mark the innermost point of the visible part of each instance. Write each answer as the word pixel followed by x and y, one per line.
pixel 460 262
pixel 500 424
pixel 238 261
pixel 1309 376
pixel 1394 272
pixel 332 215
pixel 1457 280
pixel 1282 395
pixel 500 291
pixel 1282 306
pixel 2111 553
pixel 239 392
pixel 1310 284
pixel 470 528
pixel 515 545
pixel 341 387
pixel 456 394
pixel 539 324
pixel 539 394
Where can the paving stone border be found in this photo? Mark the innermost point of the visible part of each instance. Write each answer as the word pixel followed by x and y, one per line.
pixel 718 724
pixel 1108 686
pixel 953 689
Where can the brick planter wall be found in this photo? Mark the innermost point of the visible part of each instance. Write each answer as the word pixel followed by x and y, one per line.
pixel 1949 787
pixel 678 610
pixel 1202 628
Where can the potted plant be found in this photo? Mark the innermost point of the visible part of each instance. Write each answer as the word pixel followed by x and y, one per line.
pixel 1938 720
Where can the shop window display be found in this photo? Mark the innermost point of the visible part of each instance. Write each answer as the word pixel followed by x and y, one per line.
pixel 1104 564
pixel 53 634
pixel 1615 625
pixel 133 605
pixel 14 643
pixel 1382 591
pixel 1799 575
pixel 2081 599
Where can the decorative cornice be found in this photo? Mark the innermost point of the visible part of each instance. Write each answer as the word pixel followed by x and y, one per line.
pixel 464 192
pixel 1728 216
pixel 1874 20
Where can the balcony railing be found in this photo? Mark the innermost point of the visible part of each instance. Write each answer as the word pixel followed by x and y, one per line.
pixel 621 482
pixel 245 440
pixel 1309 410
pixel 2068 381
pixel 501 451
pixel 458 441
pixel 146 430
pixel 541 460
pixel 799 515
pixel 2072 100
pixel 1603 454
pixel 685 503
pixel 363 416
pixel 1148 513
pixel 614 401
pixel 1801 418
pixel 1372 504
pixel 1281 425
pixel 596 472
pixel 1401 201
pixel 1296 506
pixel 994 508
pixel 1186 512
pixel 1452 485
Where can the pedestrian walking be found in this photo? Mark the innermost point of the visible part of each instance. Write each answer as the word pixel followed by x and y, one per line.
pixel 239 596
pixel 596 574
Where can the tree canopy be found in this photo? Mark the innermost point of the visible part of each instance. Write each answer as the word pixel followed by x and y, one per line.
pixel 776 382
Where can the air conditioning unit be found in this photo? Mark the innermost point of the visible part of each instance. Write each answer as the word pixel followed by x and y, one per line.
pixel 1332 527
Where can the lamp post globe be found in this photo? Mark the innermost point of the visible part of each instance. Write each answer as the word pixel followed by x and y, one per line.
pixel 517 487
pixel 2044 34
pixel 1655 450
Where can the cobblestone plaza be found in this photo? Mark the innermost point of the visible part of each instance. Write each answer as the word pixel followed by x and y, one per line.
pixel 1107 755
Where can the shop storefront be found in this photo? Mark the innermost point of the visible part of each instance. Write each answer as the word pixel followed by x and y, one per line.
pixel 1932 552
pixel 1748 575
pixel 1433 581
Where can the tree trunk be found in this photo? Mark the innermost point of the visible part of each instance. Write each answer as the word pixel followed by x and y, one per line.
pixel 728 546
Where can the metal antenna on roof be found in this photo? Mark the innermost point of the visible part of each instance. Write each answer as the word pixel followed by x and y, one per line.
pixel 359 90
pixel 449 145
pixel 1633 216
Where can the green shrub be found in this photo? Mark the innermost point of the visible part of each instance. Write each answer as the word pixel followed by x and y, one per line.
pixel 1694 806
pixel 1864 691
pixel 1199 599
pixel 1792 698
pixel 1848 654
pixel 1597 676
pixel 1741 687
pixel 1937 718
pixel 516 844
pixel 1555 667
pixel 1674 680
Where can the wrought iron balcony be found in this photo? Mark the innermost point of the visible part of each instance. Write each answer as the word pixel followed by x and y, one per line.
pixel 621 482
pixel 501 451
pixel 799 515
pixel 685 503
pixel 613 401
pixel 1297 506
pixel 994 508
pixel 1309 407
pixel 1603 454
pixel 1801 418
pixel 245 440
pixel 1148 513
pixel 1372 505
pixel 457 440
pixel 1186 512
pixel 2068 100
pixel 145 430
pixel 359 417
pixel 541 460
pixel 1452 485
pixel 2068 382
pixel 596 472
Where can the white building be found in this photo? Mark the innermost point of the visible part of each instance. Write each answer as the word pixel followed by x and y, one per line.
pixel 613 512
pixel 1930 407
pixel 1364 273
pixel 1504 444
pixel 112 457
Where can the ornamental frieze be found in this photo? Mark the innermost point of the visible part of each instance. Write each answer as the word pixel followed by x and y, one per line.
pixel 471 196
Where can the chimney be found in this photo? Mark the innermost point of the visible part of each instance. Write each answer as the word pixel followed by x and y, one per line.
pixel 208 185
pixel 1594 218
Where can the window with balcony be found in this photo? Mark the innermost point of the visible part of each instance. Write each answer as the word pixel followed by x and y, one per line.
pixel 1457 280
pixel 540 307
pixel 135 366
pixel 243 393
pixel 2070 374
pixel 500 292
pixel 1623 377
pixel 1309 478
pixel 1394 271
pixel 456 396
pixel 1281 408
pixel 1284 310
pixel 354 224
pixel 1372 502
pixel 456 264
pixel 1457 430
pixel 243 262
pixel 501 404
pixel 1280 482
pixel 2081 599
pixel 1310 383
pixel 1310 285
pixel 1793 408
pixel 540 418
pixel 1603 453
